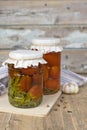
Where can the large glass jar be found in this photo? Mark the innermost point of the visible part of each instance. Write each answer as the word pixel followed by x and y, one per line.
pixel 25 88
pixel 52 54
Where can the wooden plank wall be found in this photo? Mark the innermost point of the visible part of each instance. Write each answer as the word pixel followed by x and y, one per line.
pixel 23 20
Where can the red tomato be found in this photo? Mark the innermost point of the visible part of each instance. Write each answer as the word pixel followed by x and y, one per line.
pixel 37 78
pixel 25 83
pixel 52 84
pixel 30 70
pixel 36 91
pixel 54 72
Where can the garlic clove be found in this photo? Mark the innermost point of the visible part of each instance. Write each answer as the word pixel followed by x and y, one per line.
pixel 70 88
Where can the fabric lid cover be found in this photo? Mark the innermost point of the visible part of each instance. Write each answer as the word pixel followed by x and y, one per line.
pixel 24 58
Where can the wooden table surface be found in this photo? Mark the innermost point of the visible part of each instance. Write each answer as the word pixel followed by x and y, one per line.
pixel 69 113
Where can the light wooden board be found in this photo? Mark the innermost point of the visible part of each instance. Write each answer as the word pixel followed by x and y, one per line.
pixel 42 110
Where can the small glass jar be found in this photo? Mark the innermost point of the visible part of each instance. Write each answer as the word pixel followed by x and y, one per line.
pixel 25 88
pixel 52 54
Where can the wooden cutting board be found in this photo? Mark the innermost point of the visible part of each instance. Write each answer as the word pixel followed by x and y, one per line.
pixel 42 110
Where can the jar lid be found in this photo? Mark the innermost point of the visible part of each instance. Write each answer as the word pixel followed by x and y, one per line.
pixel 46 41
pixel 46 45
pixel 24 58
pixel 25 54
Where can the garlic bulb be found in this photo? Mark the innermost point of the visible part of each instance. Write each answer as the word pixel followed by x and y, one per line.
pixel 70 88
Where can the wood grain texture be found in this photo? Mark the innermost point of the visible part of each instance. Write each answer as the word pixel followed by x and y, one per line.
pixel 42 12
pixel 69 113
pixel 48 18
pixel 73 59
pixel 31 19
pixel 46 0
pixel 13 37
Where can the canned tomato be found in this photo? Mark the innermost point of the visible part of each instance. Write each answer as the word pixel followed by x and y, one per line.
pixel 25 68
pixel 52 54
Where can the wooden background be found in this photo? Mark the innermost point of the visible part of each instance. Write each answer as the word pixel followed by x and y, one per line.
pixel 23 20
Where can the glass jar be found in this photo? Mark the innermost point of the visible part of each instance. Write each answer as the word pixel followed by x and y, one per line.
pixel 25 88
pixel 52 54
